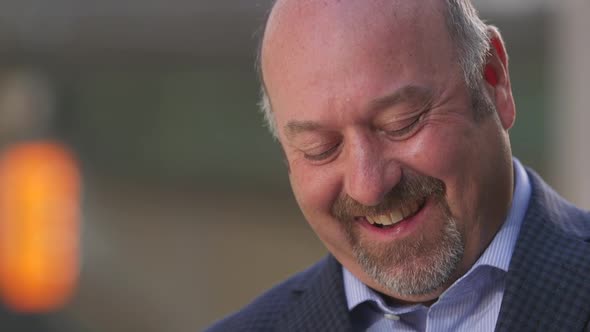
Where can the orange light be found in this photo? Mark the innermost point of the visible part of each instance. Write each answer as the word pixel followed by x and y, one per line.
pixel 39 226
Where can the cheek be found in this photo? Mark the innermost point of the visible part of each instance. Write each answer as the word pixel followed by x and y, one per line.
pixel 449 154
pixel 441 152
pixel 314 188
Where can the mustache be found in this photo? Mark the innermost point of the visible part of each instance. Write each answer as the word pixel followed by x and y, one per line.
pixel 412 187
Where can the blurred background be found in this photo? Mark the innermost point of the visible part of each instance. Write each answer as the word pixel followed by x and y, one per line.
pixel 185 208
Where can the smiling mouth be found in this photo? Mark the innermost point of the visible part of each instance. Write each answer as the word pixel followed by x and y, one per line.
pixel 393 217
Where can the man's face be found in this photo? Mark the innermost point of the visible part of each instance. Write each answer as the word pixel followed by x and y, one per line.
pixel 386 161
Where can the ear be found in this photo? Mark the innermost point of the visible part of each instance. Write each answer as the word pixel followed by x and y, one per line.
pixel 497 79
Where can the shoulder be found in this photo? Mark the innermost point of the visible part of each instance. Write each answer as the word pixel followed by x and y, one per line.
pixel 546 204
pixel 264 312
pixel 551 260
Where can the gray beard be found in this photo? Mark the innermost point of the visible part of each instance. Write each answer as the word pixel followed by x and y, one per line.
pixel 412 268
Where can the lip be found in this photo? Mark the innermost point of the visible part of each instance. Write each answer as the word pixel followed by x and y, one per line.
pixel 402 229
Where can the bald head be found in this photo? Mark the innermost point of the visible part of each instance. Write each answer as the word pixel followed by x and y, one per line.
pixel 303 29
pixel 299 30
pixel 304 24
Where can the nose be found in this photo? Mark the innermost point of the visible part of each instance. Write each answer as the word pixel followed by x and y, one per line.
pixel 370 173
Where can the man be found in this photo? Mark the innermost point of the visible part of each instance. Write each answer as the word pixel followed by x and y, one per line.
pixel 393 116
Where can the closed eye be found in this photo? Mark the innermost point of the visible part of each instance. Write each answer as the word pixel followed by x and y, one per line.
pixel 322 155
pixel 407 129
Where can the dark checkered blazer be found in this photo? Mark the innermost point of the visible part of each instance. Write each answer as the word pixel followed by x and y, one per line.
pixel 547 285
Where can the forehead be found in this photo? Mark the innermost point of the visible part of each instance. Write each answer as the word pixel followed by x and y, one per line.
pixel 339 51
pixel 297 27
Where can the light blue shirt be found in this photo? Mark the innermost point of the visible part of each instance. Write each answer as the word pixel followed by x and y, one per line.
pixel 472 303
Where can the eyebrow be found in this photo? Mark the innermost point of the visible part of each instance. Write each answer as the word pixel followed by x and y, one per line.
pixel 296 127
pixel 408 94
pixel 412 94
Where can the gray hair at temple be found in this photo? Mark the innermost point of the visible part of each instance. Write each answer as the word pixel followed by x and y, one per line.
pixel 469 34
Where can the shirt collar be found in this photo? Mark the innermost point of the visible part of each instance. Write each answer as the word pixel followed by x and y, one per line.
pixel 497 255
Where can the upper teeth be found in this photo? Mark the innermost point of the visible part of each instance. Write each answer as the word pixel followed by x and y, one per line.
pixel 396 215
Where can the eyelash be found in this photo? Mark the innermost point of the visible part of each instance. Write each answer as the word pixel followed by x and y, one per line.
pixel 406 129
pixel 321 156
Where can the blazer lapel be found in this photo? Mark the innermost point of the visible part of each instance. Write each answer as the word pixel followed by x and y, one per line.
pixel 319 301
pixel 547 287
